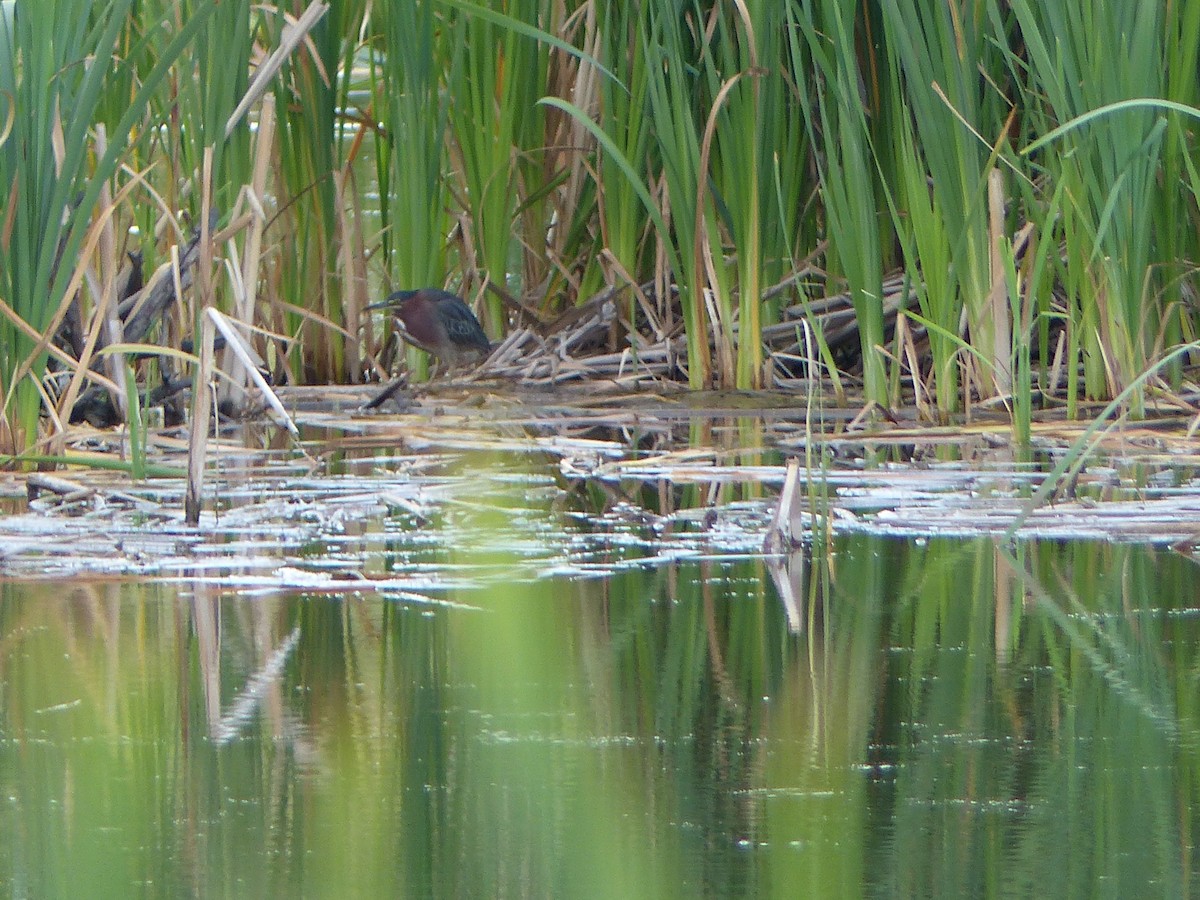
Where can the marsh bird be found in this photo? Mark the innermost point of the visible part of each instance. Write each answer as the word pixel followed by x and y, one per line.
pixel 439 323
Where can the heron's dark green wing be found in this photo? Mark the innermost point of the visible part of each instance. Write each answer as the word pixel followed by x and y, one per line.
pixel 461 325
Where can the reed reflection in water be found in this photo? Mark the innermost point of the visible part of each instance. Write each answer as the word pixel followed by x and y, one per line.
pixel 946 720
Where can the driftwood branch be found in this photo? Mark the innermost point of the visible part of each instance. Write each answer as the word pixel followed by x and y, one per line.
pixel 139 310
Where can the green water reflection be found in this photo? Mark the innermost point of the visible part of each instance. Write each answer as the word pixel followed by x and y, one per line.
pixel 942 726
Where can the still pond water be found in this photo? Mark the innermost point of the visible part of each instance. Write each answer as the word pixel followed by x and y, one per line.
pixel 472 674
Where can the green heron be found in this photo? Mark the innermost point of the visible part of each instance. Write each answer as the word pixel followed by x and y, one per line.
pixel 439 323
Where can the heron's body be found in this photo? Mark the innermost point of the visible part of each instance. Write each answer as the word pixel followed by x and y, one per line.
pixel 439 323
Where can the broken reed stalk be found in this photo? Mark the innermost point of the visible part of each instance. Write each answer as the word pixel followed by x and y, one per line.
pixel 998 297
pixel 201 413
pixel 213 321
pixel 246 289
pixel 784 550
pixel 244 354
pixel 354 287
pixel 106 302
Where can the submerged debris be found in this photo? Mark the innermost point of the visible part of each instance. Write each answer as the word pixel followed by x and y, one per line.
pixel 586 484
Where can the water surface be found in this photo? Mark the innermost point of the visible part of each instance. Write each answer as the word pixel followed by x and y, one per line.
pixel 556 666
pixel 939 727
